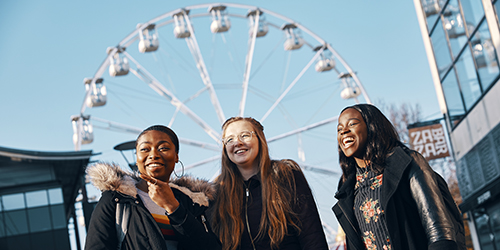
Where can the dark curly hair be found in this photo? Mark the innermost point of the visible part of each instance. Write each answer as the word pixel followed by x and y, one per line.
pixel 382 139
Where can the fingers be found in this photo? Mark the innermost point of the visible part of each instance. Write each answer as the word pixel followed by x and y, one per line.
pixel 149 179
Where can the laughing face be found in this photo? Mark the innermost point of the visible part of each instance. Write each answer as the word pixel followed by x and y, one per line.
pixel 352 134
pixel 156 155
pixel 242 153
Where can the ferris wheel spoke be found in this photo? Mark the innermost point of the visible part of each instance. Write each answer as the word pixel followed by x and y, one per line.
pixel 299 130
pixel 149 79
pixel 319 170
pixel 353 74
pixel 200 64
pixel 114 126
pixel 318 53
pixel 248 64
pixel 200 163
pixel 199 144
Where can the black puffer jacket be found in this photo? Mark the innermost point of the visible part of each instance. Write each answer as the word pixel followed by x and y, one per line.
pixel 136 225
pixel 420 211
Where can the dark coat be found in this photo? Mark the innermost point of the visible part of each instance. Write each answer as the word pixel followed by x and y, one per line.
pixel 311 236
pixel 420 211
pixel 142 232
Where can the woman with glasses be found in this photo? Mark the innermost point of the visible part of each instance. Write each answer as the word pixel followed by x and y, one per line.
pixel 262 203
pixel 389 197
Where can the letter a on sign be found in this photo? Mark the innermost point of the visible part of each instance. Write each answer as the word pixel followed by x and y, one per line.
pixel 429 141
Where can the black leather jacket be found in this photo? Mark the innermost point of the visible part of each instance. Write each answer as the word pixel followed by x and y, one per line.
pixel 420 211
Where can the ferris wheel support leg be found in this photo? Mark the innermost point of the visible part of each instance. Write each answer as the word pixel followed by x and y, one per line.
pixel 291 85
pixel 200 64
pixel 248 66
pixel 79 126
pixel 146 77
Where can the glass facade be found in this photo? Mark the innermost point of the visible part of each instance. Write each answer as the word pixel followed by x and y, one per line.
pixel 464 36
pixel 487 220
pixel 465 55
pixel 33 220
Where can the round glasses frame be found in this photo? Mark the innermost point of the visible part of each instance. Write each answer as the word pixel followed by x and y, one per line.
pixel 244 136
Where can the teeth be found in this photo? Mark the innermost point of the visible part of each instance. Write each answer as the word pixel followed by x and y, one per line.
pixel 240 151
pixel 154 165
pixel 347 140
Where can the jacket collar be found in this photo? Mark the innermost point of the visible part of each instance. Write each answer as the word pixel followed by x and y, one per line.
pixel 111 177
pixel 396 164
pixel 346 188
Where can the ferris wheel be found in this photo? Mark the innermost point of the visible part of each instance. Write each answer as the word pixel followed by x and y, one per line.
pixel 194 67
pixel 240 60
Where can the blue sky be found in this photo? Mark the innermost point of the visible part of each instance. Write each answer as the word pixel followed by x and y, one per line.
pixel 47 48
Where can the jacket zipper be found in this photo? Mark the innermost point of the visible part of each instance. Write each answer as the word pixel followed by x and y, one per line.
pixel 203 220
pixel 246 214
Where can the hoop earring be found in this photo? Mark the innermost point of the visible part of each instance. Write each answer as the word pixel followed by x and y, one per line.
pixel 182 170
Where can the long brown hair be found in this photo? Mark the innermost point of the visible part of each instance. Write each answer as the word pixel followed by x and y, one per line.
pixel 278 195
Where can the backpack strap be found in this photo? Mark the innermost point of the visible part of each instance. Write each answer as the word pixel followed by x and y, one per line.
pixel 122 220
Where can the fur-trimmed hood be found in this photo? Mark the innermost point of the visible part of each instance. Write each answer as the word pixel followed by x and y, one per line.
pixel 110 176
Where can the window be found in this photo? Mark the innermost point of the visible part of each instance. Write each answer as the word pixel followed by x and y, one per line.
pixel 13 201
pixel 431 9
pixel 452 96
pixel 469 85
pixel 55 196
pixel 441 51
pixel 16 222
pixel 485 55
pixel 497 8
pixel 32 212
pixel 473 13
pixel 495 222
pixel 39 219
pixel 2 227
pixel 37 198
pixel 58 216
pixel 454 26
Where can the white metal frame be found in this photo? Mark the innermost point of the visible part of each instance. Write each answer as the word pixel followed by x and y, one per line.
pixel 192 43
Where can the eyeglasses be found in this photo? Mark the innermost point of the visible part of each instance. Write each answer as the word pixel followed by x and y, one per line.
pixel 245 136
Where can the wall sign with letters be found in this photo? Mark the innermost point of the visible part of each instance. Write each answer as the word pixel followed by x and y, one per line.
pixel 430 141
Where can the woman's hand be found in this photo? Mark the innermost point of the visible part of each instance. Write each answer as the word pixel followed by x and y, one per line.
pixel 161 193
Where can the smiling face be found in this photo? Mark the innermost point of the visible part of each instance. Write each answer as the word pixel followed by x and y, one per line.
pixel 156 155
pixel 243 154
pixel 352 134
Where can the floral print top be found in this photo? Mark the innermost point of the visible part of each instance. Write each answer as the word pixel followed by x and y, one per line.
pixel 368 211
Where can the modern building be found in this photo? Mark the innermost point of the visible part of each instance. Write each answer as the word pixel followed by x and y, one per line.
pixel 462 41
pixel 37 197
